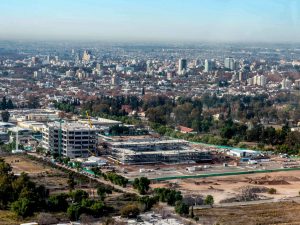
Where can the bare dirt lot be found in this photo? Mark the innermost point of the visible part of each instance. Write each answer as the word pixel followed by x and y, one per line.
pixel 263 214
pixel 53 179
pixel 287 185
pixel 22 164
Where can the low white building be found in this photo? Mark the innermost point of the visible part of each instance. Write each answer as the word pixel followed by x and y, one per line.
pixel 242 153
pixel 92 161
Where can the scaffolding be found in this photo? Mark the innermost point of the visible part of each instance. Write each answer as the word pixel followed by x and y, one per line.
pixel 170 151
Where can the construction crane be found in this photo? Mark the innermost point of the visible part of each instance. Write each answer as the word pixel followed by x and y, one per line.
pixel 89 119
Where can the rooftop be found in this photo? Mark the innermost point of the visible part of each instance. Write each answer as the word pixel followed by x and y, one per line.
pixel 71 126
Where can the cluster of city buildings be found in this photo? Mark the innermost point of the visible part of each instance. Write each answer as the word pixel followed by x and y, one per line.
pixel 173 71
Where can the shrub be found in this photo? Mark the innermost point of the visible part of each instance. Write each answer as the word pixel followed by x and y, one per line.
pixel 130 211
pixel 181 208
pixel 209 200
pixel 22 207
pixel 272 191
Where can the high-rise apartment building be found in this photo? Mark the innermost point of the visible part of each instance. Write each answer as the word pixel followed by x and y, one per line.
pixel 182 66
pixel 229 63
pixel 208 65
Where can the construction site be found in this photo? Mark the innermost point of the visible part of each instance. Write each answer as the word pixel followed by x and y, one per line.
pixel 156 151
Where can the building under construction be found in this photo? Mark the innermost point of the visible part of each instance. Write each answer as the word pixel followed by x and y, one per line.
pixel 157 151
pixel 70 139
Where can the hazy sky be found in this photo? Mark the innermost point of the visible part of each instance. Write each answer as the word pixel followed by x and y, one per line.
pixel 151 20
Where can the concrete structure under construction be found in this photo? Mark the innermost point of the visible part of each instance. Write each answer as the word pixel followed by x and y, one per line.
pixel 157 151
pixel 70 139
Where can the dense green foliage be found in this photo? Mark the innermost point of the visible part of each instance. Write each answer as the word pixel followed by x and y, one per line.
pixel 148 201
pixel 168 195
pixel 209 200
pixel 82 204
pixel 239 118
pixel 6 104
pixel 115 178
pixel 19 191
pixel 67 106
pixel 181 208
pixel 58 203
pixel 25 198
pixel 141 184
pixel 22 207
pixel 125 130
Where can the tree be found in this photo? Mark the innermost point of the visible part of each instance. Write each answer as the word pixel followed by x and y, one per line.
pixel 168 195
pixel 10 104
pixel 130 211
pixel 71 181
pixel 181 208
pixel 5 116
pixel 102 191
pixel 141 184
pixel 292 140
pixel 74 211
pixel 22 207
pixel 3 103
pixel 58 203
pixel 5 168
pixel 6 190
pixel 115 178
pixel 96 208
pixel 79 195
pixel 209 200
pixel 148 202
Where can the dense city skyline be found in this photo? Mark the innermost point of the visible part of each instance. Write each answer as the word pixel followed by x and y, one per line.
pixel 215 21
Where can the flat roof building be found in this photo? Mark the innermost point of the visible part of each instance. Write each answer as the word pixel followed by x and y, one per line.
pixel 157 151
pixel 73 140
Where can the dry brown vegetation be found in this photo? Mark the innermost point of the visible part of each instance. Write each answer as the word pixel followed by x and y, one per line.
pixel 263 214
pixel 22 164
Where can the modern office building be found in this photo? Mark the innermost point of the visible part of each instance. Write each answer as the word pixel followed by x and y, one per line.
pixel 70 139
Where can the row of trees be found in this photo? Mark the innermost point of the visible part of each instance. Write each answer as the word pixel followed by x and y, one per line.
pixel 115 178
pixel 67 106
